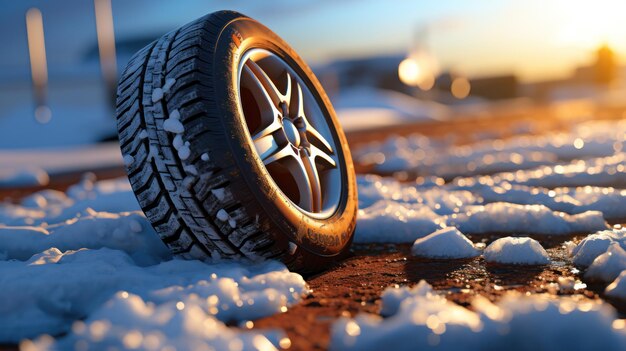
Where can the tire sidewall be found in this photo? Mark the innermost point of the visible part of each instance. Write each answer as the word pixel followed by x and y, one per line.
pixel 324 237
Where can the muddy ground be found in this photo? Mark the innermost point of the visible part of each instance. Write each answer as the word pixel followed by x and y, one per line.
pixel 355 284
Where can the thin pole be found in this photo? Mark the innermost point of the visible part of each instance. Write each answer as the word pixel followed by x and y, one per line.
pixel 106 46
pixel 38 63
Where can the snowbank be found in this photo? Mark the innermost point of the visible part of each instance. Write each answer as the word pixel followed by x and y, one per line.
pixel 425 320
pixel 445 243
pixel 511 250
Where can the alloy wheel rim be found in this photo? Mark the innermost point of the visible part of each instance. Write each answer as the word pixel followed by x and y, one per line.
pixel 290 133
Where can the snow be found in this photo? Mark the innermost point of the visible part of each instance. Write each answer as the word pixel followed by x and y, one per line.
pixel 91 253
pixel 617 289
pixel 510 250
pixel 157 95
pixel 128 322
pixel 28 166
pixel 445 243
pixel 529 219
pixel 602 143
pixel 173 125
pixel 421 319
pixel 606 267
pixel 20 177
pixel 406 212
pixel 169 83
pixel 596 244
pixel 204 157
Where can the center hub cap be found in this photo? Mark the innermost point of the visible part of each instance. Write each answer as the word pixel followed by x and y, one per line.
pixel 293 136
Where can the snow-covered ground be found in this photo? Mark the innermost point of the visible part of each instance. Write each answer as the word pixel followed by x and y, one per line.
pixel 420 318
pixel 85 263
pixel 601 143
pixel 88 263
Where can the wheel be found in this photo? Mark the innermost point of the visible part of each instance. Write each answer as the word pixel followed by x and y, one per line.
pixel 232 147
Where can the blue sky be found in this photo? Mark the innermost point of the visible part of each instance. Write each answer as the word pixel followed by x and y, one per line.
pixel 534 38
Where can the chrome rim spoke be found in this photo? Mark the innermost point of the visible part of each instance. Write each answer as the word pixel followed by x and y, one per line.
pixel 265 146
pixel 317 152
pixel 275 94
pixel 314 181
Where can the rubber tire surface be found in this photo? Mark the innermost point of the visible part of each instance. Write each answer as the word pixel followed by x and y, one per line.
pixel 212 197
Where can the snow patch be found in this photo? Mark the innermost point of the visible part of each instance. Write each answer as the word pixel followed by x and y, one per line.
pixel 510 250
pixel 425 320
pixel 81 254
pixel 445 243
pixel 204 157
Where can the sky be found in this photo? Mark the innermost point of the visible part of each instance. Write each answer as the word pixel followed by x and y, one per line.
pixel 535 39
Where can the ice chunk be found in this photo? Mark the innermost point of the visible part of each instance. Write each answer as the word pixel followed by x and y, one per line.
pixel 445 243
pixel 512 250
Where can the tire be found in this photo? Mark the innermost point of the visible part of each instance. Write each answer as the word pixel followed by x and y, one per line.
pixel 188 107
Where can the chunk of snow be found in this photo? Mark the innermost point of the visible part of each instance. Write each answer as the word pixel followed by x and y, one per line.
pixel 427 321
pixel 173 125
pixel 606 267
pixel 512 250
pixel 204 157
pixel 174 114
pixel 596 244
pixel 169 82
pixel 128 160
pixel 178 142
pixel 220 193
pixel 143 134
pixel 617 289
pixel 157 95
pixel 184 151
pixel 445 243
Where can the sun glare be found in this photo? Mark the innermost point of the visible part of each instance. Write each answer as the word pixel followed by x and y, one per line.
pixel 589 24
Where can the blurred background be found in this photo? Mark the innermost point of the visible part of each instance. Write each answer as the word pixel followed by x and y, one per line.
pixel 385 65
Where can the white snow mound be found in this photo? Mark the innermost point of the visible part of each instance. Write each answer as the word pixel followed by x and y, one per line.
pixel 445 243
pixel 510 250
